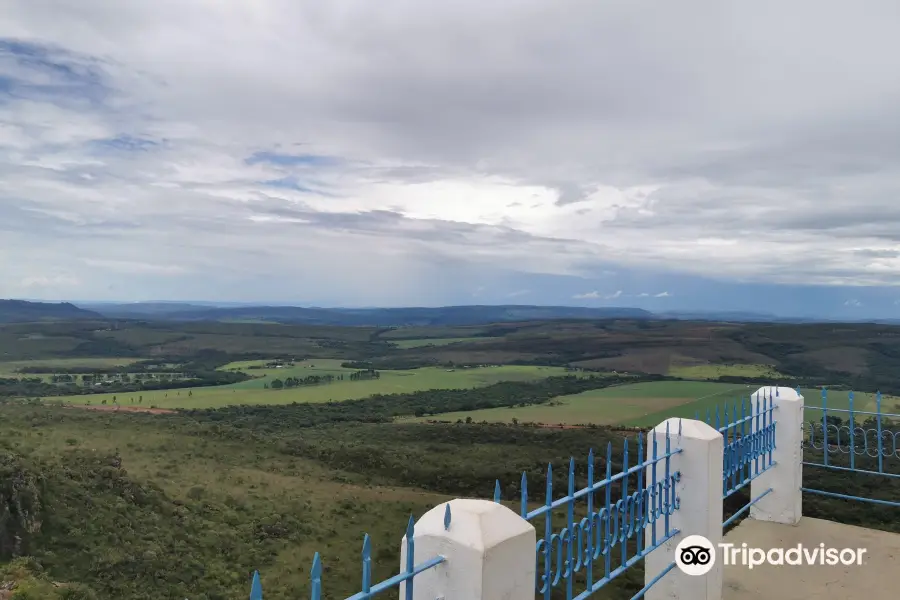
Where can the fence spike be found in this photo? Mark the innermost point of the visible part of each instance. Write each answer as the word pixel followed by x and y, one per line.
pixel 524 491
pixel 411 549
pixel 571 475
pixel 256 587
pixel 879 432
pixel 777 393
pixel 367 564
pixel 316 578
pixel 497 490
pixel 549 495
pixel 591 473
pixel 447 519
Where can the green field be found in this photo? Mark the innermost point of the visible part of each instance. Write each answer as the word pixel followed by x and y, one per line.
pixel 422 343
pixel 716 371
pixel 634 404
pixel 647 404
pixel 253 391
pixel 10 368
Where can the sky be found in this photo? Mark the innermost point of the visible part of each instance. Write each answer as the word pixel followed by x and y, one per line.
pixel 690 155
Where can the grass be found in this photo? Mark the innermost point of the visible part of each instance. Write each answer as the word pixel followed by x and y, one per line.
pixel 421 343
pixel 715 371
pixel 10 368
pixel 254 392
pixel 632 404
pixel 648 404
pixel 838 399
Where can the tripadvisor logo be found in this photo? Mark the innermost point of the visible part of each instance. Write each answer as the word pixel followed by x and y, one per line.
pixel 696 555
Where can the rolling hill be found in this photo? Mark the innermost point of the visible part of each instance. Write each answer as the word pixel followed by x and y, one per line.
pixel 22 311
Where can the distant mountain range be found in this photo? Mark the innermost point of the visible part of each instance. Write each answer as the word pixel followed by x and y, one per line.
pixel 376 317
pixel 17 311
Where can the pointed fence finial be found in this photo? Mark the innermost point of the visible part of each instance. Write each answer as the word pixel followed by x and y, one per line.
pixel 497 490
pixel 256 587
pixel 524 492
pixel 549 492
pixel 316 577
pixel 367 564
pixel 446 518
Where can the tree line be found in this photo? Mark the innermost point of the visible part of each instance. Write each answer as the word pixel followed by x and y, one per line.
pixel 35 387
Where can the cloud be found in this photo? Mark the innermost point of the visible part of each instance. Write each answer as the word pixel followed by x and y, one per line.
pixel 518 293
pixel 853 303
pixel 125 266
pixel 52 281
pixel 595 294
pixel 662 295
pixel 365 148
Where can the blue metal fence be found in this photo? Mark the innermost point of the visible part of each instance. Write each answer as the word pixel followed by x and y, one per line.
pixel 603 524
pixel 853 441
pixel 608 522
pixel 368 589
pixel 749 436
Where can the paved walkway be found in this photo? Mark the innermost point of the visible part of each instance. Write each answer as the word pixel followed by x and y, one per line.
pixel 873 580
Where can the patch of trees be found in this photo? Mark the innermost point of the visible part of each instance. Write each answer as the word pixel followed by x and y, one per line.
pixel 782 381
pixel 35 387
pixel 785 342
pixel 356 364
pixel 394 363
pixel 364 375
pixel 103 346
pixel 45 369
pixel 292 382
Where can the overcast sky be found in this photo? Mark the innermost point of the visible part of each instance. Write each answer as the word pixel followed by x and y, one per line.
pixel 688 154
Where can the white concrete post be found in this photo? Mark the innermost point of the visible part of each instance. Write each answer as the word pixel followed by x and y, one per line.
pixel 699 491
pixel 489 553
pixel 784 504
